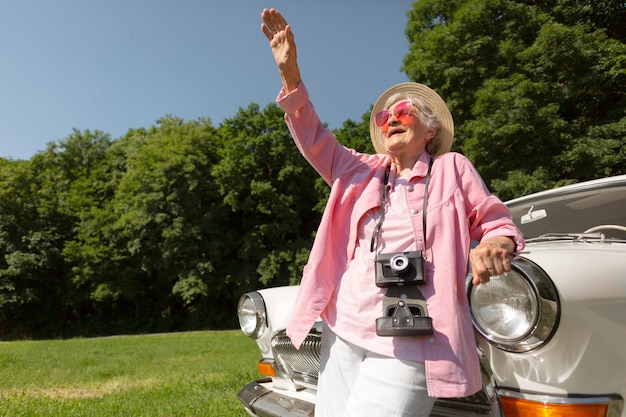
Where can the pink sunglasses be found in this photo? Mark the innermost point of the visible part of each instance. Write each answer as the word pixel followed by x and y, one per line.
pixel 401 112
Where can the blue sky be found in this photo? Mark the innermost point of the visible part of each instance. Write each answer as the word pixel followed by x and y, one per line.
pixel 120 64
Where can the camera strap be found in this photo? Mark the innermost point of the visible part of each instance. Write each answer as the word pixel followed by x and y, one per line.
pixel 381 218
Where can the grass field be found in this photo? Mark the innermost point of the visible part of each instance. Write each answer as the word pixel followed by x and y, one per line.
pixel 177 374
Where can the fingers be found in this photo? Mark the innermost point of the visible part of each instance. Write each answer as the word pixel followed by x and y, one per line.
pixel 266 31
pixel 478 279
pixel 488 260
pixel 273 22
pixel 481 273
pixel 498 264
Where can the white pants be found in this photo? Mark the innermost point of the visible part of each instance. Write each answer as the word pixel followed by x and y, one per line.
pixel 354 383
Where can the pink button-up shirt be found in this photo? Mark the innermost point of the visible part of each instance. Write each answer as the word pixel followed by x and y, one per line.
pixel 460 209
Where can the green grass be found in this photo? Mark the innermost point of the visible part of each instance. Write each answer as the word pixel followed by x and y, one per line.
pixel 178 374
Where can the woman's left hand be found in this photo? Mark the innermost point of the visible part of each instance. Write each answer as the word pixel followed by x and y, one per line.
pixel 490 258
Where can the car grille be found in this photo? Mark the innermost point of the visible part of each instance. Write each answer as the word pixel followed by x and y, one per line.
pixel 302 365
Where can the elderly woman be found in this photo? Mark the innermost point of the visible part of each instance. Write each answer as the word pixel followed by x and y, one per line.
pixel 387 269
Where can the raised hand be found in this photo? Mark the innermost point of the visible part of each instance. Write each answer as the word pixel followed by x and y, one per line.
pixel 281 40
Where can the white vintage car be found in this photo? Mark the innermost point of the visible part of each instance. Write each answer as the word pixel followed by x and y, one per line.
pixel 551 335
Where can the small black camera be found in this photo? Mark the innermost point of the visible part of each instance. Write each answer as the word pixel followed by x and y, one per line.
pixel 399 268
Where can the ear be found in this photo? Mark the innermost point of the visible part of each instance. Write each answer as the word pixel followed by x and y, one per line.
pixel 430 134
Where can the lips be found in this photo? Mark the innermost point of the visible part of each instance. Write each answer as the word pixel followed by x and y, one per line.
pixel 394 131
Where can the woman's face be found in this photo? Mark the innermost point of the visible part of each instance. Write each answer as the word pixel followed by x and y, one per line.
pixel 404 133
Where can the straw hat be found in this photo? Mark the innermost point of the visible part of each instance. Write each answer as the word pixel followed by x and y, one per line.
pixel 430 99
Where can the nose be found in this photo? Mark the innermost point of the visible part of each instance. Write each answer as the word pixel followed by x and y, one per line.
pixel 393 119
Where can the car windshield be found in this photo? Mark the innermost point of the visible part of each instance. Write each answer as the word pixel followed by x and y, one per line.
pixel 573 210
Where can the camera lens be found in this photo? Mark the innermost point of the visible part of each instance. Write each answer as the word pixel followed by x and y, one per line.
pixel 400 264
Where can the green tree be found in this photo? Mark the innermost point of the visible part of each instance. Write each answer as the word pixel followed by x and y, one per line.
pixel 271 190
pixel 37 216
pixel 152 252
pixel 537 89
pixel 17 215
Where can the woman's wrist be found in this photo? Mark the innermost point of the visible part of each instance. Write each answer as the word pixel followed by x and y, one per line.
pixel 291 80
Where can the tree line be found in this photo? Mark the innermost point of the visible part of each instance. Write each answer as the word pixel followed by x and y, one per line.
pixel 165 227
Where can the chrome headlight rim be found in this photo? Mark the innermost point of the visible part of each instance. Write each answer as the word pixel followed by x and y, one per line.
pixel 252 315
pixel 549 311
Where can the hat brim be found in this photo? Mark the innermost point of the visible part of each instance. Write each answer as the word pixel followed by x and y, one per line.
pixel 431 99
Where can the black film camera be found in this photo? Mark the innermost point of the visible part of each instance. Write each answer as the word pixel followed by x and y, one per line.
pixel 400 268
pixel 404 306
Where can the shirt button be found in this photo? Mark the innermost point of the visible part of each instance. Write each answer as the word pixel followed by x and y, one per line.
pixel 409 188
pixel 414 211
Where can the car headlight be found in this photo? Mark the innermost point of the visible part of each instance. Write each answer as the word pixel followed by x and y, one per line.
pixel 516 312
pixel 251 313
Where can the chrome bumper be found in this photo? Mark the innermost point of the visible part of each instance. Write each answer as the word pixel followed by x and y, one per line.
pixel 261 402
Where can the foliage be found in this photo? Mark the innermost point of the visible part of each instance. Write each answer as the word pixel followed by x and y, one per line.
pixel 537 89
pixel 36 219
pixel 270 188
